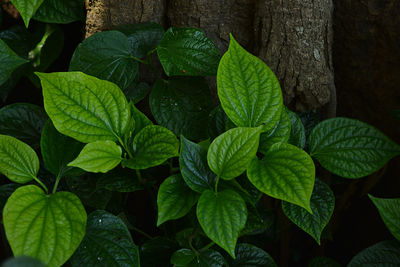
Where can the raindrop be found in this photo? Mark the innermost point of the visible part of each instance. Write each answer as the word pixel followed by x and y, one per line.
pixel 99 220
pixel 99 258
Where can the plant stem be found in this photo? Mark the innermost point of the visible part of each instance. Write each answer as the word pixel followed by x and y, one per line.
pixel 141 232
pixel 216 185
pixel 41 184
pixel 58 178
pixel 139 60
pixel 207 246
pixel 125 146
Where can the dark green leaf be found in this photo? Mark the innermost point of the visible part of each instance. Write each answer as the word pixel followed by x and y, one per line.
pixel 23 261
pixel 187 258
pixel 107 243
pixel 251 256
pixel 182 105
pixel 141 120
pixel 9 61
pixel 389 209
pixel 257 222
pixel 60 11
pixel 160 246
pixel 120 180
pixel 222 216
pixel 298 133
pixel 350 148
pixel 187 51
pixel 382 254
pixel 216 122
pixel 137 91
pixel 27 8
pixel 106 55
pixel 322 205
pixel 20 40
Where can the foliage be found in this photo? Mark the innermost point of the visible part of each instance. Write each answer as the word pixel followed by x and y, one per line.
pixel 204 170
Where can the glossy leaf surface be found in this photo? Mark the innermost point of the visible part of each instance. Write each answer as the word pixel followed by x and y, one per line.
pixel 298 132
pixel 350 148
pixel 45 227
pixel 251 256
pixel 286 172
pixel 389 209
pixel 84 107
pixel 188 258
pixel 385 253
pixel 60 11
pixel 27 8
pixel 9 61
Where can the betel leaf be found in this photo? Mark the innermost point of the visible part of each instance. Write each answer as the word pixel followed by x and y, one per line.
pixel 106 55
pixel 23 121
pixel 230 153
pixel 136 92
pixel 84 107
pixel 18 161
pixel 251 256
pixel 23 261
pixel 298 132
pixel 45 227
pixel 279 134
pixel 152 146
pixel 27 8
pixel 389 209
pixel 107 243
pixel 140 119
pixel 216 122
pixel 188 258
pixel 194 166
pixel 120 180
pixel 5 192
pixel 385 253
pixel 249 91
pixel 99 156
pixel 350 148
pixel 143 37
pixel 60 11
pixel 58 150
pixel 222 216
pixel 182 104
pixel 174 199
pixel 21 40
pixel 286 172
pixel 187 51
pixel 9 61
pixel 322 205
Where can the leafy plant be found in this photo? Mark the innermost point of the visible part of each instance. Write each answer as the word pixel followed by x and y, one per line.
pixel 204 171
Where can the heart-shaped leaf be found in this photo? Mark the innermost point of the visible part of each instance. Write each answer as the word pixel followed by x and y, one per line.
pixel 286 172
pixel 46 227
pixel 298 132
pixel 389 209
pixel 60 11
pixel 9 61
pixel 385 253
pixel 27 8
pixel 248 255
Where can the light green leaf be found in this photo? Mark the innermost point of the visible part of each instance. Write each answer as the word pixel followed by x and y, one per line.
pixel 60 11
pixel 249 91
pixel 99 156
pixel 187 51
pixel 58 150
pixel 322 205
pixel 222 216
pixel 286 172
pixel 298 132
pixel 18 161
pixel 389 209
pixel 385 253
pixel 106 55
pixel 194 166
pixel 143 37
pixel 230 153
pixel 350 148
pixel 107 243
pixel 174 199
pixel 182 104
pixel 279 134
pixel 46 227
pixel 248 255
pixel 152 146
pixel 84 107
pixel 9 61
pixel 188 258
pixel 27 8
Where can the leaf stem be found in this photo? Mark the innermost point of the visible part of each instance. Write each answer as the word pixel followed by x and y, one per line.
pixel 207 246
pixel 141 232
pixel 139 60
pixel 41 184
pixel 125 146
pixel 58 178
pixel 216 185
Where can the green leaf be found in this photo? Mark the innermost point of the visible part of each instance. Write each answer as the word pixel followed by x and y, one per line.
pixel 350 148
pixel 143 37
pixel 152 146
pixel 187 51
pixel 23 261
pixel 18 161
pixel 249 91
pixel 174 199
pixel 248 255
pixel 58 150
pixel 99 156
pixel 107 243
pixel 106 55
pixel 9 61
pixel 120 180
pixel 286 172
pixel 141 120
pixel 389 209
pixel 194 166
pixel 230 153
pixel 5 192
pixel 23 121
pixel 257 221
pixel 322 205
pixel 60 11
pixel 222 216
pixel 385 253
pixel 46 227
pixel 217 121
pixel 27 8
pixel 298 132
pixel 182 104
pixel 84 107
pixel 188 258
pixel 137 91
pixel 279 134
pixel 20 40
pixel 160 246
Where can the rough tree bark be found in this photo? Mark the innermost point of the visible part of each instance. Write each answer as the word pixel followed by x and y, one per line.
pixel 282 33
